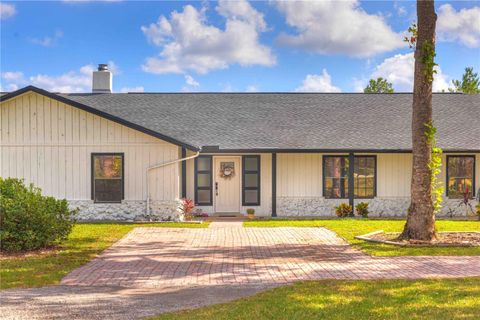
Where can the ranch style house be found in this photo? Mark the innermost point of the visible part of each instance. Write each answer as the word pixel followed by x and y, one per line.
pixel 133 156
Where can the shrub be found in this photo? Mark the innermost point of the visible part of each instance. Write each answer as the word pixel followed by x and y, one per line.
pixel 362 209
pixel 478 209
pixel 186 207
pixel 344 210
pixel 251 211
pixel 30 221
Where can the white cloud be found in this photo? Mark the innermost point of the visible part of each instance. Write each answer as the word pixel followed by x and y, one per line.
pixel 190 84
pixel 12 76
pixel 132 89
pixel 189 43
pixel 190 81
pixel 7 10
pixel 337 27
pixel 401 10
pixel 48 41
pixel 462 26
pixel 359 84
pixel 114 68
pixel 73 81
pixel 251 88
pixel 318 83
pixel 228 88
pixel 399 70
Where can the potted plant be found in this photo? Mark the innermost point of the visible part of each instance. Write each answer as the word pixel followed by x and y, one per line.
pixel 362 209
pixel 186 208
pixel 251 213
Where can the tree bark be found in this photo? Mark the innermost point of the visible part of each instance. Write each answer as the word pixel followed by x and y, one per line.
pixel 420 223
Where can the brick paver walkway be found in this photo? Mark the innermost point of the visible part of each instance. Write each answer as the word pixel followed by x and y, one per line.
pixel 159 257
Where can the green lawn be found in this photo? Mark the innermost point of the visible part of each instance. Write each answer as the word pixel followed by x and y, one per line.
pixel 349 228
pixel 328 299
pixel 83 244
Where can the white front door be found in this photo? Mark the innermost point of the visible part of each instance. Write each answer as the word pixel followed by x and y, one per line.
pixel 227 184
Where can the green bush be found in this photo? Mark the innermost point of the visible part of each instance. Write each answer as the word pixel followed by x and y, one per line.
pixel 30 221
pixel 250 211
pixel 344 210
pixel 362 209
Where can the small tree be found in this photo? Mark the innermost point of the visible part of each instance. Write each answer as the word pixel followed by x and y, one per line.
pixel 470 83
pixel 379 85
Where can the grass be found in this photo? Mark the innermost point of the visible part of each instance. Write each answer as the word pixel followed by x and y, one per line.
pixel 328 299
pixel 84 243
pixel 349 228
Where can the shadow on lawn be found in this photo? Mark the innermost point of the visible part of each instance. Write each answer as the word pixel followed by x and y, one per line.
pixel 387 299
pixel 71 302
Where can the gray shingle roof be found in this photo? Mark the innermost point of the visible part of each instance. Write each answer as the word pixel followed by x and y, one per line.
pixel 293 120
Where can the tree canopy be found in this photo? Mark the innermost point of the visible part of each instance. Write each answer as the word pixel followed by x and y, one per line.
pixel 470 82
pixel 379 85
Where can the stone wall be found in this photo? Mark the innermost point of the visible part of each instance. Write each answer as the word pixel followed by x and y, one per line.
pixel 127 210
pixel 378 207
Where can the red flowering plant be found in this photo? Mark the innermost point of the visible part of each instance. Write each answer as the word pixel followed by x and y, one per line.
pixel 186 208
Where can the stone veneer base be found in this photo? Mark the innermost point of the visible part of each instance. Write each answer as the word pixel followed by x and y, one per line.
pixel 133 210
pixel 127 210
pixel 378 207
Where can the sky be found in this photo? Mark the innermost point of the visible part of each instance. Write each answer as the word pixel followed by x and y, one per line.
pixel 228 46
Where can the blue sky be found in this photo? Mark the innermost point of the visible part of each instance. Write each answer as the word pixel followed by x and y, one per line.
pixel 227 46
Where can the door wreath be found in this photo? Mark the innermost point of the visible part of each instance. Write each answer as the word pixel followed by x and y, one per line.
pixel 227 170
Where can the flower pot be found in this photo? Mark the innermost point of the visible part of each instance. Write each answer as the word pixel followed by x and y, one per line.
pixel 251 216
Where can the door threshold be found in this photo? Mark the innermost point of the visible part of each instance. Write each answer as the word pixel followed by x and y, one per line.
pixel 227 215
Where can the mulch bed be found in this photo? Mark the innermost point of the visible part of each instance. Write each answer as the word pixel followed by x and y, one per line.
pixel 444 239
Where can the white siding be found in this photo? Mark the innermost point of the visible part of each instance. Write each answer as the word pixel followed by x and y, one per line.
pixel 394 173
pixel 49 143
pixel 299 175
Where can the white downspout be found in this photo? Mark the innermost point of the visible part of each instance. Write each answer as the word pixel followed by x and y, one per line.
pixel 155 166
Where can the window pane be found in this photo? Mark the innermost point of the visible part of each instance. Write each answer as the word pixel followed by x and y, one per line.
pixel 336 167
pixel 460 176
pixel 203 196
pixel 203 163
pixel 364 173
pixel 203 180
pixel 109 167
pixel 251 163
pixel 108 190
pixel 251 180
pixel 336 187
pixel 251 197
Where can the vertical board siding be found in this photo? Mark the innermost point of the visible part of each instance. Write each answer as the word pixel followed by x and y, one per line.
pixel 49 143
pixel 394 175
pixel 299 175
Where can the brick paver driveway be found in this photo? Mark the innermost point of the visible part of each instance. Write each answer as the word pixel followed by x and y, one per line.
pixel 159 257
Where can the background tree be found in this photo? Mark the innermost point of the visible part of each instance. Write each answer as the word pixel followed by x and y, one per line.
pixel 470 82
pixel 420 223
pixel 379 85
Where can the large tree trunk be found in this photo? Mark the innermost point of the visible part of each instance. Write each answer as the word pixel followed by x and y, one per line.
pixel 421 218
